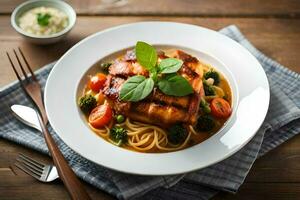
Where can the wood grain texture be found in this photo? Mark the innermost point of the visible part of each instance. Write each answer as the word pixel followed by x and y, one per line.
pixel 250 8
pixel 21 186
pixel 260 184
pixel 271 36
pixel 273 26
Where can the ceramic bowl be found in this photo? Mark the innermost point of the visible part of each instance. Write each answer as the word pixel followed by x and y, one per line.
pixel 45 39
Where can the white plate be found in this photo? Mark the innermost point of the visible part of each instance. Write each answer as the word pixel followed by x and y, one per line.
pixel 246 76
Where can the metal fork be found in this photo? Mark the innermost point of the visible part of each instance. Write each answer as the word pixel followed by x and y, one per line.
pixel 33 89
pixel 38 170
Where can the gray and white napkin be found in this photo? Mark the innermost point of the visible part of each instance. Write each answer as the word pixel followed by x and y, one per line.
pixel 282 123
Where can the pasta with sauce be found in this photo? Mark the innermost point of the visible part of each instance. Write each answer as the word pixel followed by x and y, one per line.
pixel 176 104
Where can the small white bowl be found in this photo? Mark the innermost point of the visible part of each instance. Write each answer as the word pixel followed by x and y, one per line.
pixel 46 39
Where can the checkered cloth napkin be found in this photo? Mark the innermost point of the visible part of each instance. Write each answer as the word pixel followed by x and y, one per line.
pixel 282 123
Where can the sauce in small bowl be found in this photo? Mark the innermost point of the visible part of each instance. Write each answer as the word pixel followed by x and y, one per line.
pixel 43 21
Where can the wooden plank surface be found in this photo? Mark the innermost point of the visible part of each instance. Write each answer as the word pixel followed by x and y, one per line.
pixel 277 170
pixel 278 8
pixel 273 37
pixel 279 183
pixel 273 26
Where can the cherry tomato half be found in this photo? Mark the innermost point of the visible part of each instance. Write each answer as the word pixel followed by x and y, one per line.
pixel 220 108
pixel 97 82
pixel 100 116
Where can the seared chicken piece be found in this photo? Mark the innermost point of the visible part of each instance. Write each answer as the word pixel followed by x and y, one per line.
pixel 158 96
pixel 157 114
pixel 113 86
pixel 157 108
pixel 127 68
pixel 192 70
pixel 111 91
pixel 130 55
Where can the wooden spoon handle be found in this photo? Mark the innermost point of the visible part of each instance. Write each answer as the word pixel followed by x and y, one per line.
pixel 70 180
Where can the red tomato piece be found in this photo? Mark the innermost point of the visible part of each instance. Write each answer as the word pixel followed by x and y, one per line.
pixel 100 116
pixel 97 82
pixel 220 108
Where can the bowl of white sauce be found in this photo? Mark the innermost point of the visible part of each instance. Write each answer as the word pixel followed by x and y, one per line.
pixel 43 21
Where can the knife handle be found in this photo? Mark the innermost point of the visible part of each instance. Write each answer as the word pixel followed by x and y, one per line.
pixel 70 180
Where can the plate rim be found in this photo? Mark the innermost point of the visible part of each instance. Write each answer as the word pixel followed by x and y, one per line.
pixel 155 22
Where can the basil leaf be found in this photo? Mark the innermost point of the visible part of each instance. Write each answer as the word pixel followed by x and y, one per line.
pixel 175 85
pixel 146 55
pixel 136 88
pixel 169 65
pixel 43 19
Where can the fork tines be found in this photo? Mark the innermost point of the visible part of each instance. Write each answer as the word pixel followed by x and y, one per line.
pixel 30 166
pixel 21 65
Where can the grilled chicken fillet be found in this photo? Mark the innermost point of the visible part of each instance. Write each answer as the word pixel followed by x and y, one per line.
pixel 157 108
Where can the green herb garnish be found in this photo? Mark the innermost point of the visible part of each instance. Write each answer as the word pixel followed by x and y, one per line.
pixel 163 75
pixel 175 85
pixel 136 88
pixel 146 55
pixel 43 19
pixel 169 65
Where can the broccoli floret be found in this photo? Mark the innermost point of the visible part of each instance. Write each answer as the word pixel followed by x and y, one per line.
pixel 208 89
pixel 205 123
pixel 87 103
pixel 118 135
pixel 204 106
pixel 105 66
pixel 177 134
pixel 226 97
pixel 214 75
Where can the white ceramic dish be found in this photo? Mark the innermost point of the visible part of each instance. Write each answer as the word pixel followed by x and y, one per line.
pixel 47 39
pixel 246 76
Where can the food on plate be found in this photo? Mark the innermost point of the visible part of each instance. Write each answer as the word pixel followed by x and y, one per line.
pixel 43 21
pixel 156 100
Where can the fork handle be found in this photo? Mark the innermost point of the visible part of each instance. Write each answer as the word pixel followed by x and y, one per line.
pixel 38 100
pixel 72 183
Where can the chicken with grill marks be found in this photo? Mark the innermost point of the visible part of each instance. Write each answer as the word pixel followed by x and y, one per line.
pixel 158 108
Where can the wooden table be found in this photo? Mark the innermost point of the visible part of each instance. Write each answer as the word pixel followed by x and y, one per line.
pixel 272 25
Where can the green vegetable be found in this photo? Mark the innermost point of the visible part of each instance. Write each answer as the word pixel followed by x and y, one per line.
pixel 214 75
pixel 175 85
pixel 205 106
pixel 226 97
pixel 177 134
pixel 205 123
pixel 120 118
pixel 146 55
pixel 136 88
pixel 43 19
pixel 154 76
pixel 87 103
pixel 105 66
pixel 118 135
pixel 169 65
pixel 208 89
